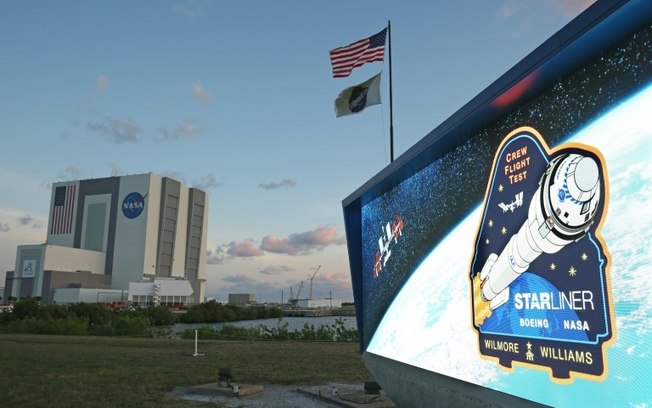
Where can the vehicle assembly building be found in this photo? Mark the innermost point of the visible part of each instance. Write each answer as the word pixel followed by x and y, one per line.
pixel 107 233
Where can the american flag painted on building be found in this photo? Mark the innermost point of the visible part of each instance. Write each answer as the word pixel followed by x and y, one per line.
pixel 63 210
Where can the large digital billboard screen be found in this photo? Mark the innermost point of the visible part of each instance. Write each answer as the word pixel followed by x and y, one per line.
pixel 516 254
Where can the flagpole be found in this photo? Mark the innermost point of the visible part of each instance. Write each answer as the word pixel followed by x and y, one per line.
pixel 391 112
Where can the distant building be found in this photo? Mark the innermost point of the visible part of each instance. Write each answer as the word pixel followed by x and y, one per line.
pixel 5 293
pixel 117 230
pixel 241 299
pixel 65 296
pixel 160 291
pixel 319 303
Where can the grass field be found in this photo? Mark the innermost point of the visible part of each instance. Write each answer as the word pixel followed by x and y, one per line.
pixel 68 371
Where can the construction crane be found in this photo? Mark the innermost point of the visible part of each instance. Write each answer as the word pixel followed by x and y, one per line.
pixel 294 299
pixel 311 279
pixel 299 290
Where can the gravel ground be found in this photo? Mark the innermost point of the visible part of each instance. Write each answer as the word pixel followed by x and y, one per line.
pixel 292 396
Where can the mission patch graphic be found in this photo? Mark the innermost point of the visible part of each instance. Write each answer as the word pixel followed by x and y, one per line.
pixel 539 274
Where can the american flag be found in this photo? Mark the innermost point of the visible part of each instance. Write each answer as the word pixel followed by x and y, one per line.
pixel 63 210
pixel 371 49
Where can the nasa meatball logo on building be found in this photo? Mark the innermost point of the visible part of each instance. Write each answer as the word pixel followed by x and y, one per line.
pixel 539 274
pixel 29 268
pixel 133 205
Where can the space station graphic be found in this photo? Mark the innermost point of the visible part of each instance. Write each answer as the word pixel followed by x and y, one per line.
pixel 539 275
pixel 389 237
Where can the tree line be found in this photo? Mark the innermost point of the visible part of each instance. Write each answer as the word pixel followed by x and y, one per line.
pixel 31 317
pixel 333 332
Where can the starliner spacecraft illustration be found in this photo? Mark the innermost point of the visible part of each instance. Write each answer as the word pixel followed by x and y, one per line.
pixel 561 211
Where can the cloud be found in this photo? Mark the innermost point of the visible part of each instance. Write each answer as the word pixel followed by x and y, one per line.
pixel 187 130
pixel 238 279
pixel 102 82
pixel 70 173
pixel 28 219
pixel 86 102
pixel 201 94
pixel 215 257
pixel 244 249
pixel 278 245
pixel 571 7
pixel 319 237
pixel 193 9
pixel 276 270
pixel 518 8
pixel 508 10
pixel 25 219
pixel 4 227
pixel 303 243
pixel 207 181
pixel 287 183
pixel 117 130
pixel 522 15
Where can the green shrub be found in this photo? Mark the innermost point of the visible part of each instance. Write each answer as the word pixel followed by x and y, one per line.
pixel 97 315
pixel 67 326
pixel 157 315
pixel 131 326
pixel 214 312
pixel 334 332
pixel 280 332
pixel 27 307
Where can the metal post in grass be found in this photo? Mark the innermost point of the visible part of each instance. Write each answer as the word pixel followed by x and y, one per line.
pixel 196 353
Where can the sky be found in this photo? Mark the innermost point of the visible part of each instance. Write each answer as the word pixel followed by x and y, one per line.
pixel 237 98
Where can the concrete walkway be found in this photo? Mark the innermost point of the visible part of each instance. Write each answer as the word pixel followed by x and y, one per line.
pixel 331 395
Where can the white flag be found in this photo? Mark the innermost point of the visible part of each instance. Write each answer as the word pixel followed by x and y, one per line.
pixel 356 98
